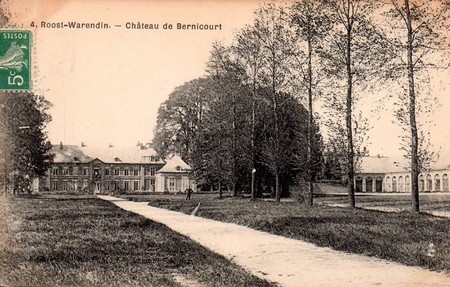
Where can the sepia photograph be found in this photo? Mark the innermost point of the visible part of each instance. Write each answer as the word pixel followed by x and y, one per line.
pixel 197 143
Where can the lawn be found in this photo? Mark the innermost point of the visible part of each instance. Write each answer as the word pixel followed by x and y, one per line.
pixel 411 239
pixel 402 201
pixel 84 241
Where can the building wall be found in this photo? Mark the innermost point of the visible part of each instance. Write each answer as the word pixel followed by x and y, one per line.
pixel 174 182
pixel 97 176
pixel 433 181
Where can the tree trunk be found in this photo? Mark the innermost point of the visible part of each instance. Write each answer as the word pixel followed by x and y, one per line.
pixel 348 118
pixel 277 187
pixel 310 123
pixel 412 116
pixel 253 141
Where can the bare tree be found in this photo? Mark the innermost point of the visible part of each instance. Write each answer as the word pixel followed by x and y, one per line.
pixel 421 25
pixel 311 24
pixel 355 57
pixel 271 27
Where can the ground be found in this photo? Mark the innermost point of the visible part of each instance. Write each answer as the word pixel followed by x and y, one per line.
pixel 84 241
pixel 404 237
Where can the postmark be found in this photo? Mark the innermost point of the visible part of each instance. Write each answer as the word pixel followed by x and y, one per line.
pixel 15 60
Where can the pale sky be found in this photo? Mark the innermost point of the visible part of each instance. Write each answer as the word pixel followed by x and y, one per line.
pixel 106 85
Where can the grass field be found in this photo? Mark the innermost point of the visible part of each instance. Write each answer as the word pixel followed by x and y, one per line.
pixel 84 241
pixel 428 201
pixel 411 239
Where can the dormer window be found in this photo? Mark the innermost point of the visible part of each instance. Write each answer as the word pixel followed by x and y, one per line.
pixel 178 168
pixel 116 159
pixel 76 159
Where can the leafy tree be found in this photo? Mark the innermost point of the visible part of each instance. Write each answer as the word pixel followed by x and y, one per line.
pixel 180 118
pixel 417 28
pixel 26 147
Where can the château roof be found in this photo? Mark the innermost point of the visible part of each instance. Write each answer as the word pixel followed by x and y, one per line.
pixel 109 154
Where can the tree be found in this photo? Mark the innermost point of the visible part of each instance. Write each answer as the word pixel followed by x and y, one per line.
pixel 26 145
pixel 421 24
pixel 228 108
pixel 356 55
pixel 271 27
pixel 179 119
pixel 311 26
pixel 249 53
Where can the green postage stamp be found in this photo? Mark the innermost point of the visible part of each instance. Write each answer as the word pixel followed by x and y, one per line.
pixel 15 60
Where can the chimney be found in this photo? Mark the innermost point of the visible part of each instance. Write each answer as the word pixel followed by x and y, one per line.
pixel 60 145
pixel 110 145
pixel 82 144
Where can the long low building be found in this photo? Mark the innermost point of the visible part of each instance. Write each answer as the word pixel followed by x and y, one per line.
pixel 391 174
pixel 85 169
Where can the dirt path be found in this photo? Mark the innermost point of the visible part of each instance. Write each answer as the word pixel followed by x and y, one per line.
pixel 283 260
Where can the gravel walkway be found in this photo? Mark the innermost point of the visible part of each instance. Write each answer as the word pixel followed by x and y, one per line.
pixel 286 261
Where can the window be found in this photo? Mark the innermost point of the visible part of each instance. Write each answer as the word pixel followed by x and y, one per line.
pixel 107 185
pixel 65 185
pixel 394 184
pixel 116 185
pixel 388 184
pixel 407 183
pixel 85 171
pixel 65 171
pixel 55 185
pixel 400 183
pixel 107 171
pixel 152 171
pixel 96 171
pixel 127 171
pixel 55 171
pixel 117 171
pixel 429 183
pixel 136 171
pixel 437 183
pixel 126 185
pixel 152 184
pixel 421 183
pixel 171 183
pixel 445 182
pixel 136 185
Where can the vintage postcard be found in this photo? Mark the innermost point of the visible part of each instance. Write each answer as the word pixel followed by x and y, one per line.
pixel 224 143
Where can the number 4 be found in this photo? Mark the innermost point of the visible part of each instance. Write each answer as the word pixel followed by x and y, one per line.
pixel 32 24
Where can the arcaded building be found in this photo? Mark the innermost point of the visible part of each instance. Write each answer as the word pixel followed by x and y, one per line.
pixel 391 174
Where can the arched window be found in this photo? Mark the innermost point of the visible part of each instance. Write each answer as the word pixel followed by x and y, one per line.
pixel 437 183
pixel 407 183
pixel 445 182
pixel 400 183
pixel 359 184
pixel 429 183
pixel 379 184
pixel 421 183
pixel 394 184
pixel 388 184
pixel 369 184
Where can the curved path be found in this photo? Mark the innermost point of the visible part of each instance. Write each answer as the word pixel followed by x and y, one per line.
pixel 286 261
